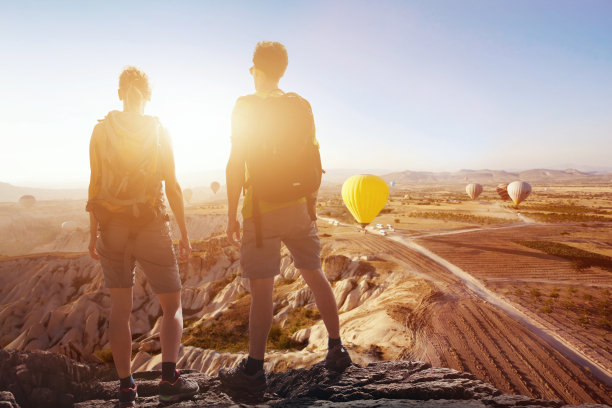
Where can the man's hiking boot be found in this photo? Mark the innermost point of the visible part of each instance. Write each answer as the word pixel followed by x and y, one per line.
pixel 178 390
pixel 127 397
pixel 237 380
pixel 337 358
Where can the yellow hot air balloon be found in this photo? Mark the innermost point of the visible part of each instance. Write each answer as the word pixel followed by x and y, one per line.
pixel 214 186
pixel 365 195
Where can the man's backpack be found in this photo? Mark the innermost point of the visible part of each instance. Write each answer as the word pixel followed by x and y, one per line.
pixel 282 159
pixel 129 184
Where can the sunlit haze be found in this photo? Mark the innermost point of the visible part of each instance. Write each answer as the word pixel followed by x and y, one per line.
pixel 436 85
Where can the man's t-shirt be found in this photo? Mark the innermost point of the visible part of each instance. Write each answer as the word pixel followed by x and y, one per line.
pixel 241 124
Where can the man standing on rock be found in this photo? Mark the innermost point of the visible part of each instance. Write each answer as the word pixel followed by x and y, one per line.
pixel 275 159
pixel 130 156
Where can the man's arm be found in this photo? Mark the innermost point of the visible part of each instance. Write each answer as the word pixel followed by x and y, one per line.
pixel 235 169
pixel 175 199
pixel 93 190
pixel 234 176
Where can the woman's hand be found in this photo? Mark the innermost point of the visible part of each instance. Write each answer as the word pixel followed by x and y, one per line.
pixel 92 247
pixel 184 250
pixel 233 232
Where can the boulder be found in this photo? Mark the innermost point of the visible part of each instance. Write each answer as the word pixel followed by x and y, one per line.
pixel 334 265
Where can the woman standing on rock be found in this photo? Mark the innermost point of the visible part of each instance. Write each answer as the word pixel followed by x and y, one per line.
pixel 130 156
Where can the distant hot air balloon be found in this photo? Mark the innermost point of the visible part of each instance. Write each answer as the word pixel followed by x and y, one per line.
pixel 392 183
pixel 187 194
pixel 473 190
pixel 70 226
pixel 518 191
pixel 27 200
pixel 502 190
pixel 214 186
pixel 365 195
pixel 407 197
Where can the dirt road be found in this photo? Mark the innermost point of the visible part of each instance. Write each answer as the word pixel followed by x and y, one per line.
pixel 457 329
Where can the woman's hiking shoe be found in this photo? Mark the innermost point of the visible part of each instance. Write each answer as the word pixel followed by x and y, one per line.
pixel 237 380
pixel 127 397
pixel 178 390
pixel 337 358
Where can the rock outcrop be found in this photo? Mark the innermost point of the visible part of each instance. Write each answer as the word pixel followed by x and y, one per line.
pixel 43 379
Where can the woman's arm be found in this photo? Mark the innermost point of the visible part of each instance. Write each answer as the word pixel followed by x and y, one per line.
pixel 175 199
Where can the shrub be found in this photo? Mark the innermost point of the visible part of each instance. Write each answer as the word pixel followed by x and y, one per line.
pixel 579 258
pixel 546 309
pixel 105 355
pixel 535 292
pixel 604 323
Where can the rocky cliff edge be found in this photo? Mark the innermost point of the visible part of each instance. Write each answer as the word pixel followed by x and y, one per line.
pixel 44 379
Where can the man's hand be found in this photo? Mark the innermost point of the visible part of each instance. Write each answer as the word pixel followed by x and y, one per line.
pixel 233 232
pixel 184 250
pixel 92 247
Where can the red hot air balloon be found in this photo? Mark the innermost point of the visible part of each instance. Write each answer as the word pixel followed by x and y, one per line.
pixel 502 190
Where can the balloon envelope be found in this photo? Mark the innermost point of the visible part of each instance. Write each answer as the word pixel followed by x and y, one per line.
pixel 214 186
pixel 502 190
pixel 473 190
pixel 365 195
pixel 70 226
pixel 27 200
pixel 518 191
pixel 392 183
pixel 187 194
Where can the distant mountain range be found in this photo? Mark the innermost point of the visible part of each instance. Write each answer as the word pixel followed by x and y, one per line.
pixel 11 193
pixel 542 176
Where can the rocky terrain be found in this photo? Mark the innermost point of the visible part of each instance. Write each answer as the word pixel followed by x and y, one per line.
pixel 43 379
pixel 395 302
pixel 57 302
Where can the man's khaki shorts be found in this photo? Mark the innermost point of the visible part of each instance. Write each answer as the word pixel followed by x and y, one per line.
pixel 290 225
pixel 120 248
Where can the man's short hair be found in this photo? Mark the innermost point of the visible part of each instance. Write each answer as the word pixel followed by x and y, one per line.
pixel 134 76
pixel 271 58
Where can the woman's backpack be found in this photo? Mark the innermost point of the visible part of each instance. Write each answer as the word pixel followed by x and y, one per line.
pixel 130 185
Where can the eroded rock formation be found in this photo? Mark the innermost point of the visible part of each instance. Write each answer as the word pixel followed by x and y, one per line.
pixel 43 379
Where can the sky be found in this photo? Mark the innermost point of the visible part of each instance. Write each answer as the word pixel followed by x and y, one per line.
pixel 394 85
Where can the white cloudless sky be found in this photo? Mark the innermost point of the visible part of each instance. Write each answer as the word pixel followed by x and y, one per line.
pixel 436 85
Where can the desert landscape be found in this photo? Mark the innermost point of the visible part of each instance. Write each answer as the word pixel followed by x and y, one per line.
pixel 517 296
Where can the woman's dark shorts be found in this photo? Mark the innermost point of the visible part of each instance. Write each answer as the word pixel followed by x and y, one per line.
pixel 120 248
pixel 290 225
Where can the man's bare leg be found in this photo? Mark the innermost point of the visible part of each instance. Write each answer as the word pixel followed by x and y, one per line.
pixel 119 333
pixel 324 298
pixel 260 317
pixel 171 325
